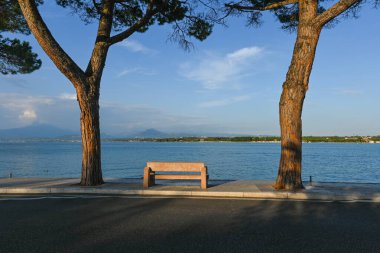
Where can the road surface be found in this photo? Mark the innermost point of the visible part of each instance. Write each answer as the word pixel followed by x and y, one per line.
pixel 121 224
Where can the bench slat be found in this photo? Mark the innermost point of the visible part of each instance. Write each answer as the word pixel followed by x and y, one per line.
pixel 150 174
pixel 176 166
pixel 179 176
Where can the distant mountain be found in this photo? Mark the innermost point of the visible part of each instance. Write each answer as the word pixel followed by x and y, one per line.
pixel 154 133
pixel 150 133
pixel 36 131
pixel 49 131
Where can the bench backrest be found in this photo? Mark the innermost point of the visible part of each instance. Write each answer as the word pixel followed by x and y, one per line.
pixel 176 166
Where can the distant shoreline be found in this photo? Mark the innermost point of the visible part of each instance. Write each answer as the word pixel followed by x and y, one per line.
pixel 269 139
pixel 245 139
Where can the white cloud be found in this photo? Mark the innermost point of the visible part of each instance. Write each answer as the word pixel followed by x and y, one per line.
pixel 68 96
pixel 139 71
pixel 244 53
pixel 18 110
pixel 28 115
pixel 224 102
pixel 127 72
pixel 22 102
pixel 137 47
pixel 350 92
pixel 216 72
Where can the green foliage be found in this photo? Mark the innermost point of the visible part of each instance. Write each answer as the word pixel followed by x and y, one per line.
pixel 11 18
pixel 287 15
pixel 127 15
pixel 15 56
pixel 186 21
pixel 199 29
pixel 334 139
pixel 170 12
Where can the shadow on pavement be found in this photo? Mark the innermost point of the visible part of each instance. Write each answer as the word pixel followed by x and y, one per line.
pixel 111 224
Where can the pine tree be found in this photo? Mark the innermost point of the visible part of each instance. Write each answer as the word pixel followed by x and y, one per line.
pixel 117 21
pixel 308 18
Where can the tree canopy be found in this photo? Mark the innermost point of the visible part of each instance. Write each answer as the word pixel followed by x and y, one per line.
pixel 287 11
pixel 129 16
pixel 117 20
pixel 15 56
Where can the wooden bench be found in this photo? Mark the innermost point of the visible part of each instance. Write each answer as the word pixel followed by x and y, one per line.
pixel 151 169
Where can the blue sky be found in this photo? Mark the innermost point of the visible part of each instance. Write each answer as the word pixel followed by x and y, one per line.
pixel 230 83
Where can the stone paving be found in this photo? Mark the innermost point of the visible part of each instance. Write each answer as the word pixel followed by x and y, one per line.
pixel 217 189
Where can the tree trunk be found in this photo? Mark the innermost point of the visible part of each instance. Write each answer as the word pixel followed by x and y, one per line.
pixel 86 83
pixel 291 103
pixel 90 131
pixel 289 172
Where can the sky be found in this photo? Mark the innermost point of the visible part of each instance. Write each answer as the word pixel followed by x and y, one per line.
pixel 228 84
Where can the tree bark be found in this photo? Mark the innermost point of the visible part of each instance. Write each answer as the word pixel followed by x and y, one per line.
pixel 292 98
pixel 289 172
pixel 90 132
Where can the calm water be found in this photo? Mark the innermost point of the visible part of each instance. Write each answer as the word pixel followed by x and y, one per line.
pixel 324 161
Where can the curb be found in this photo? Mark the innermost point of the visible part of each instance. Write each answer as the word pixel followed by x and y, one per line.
pixel 198 194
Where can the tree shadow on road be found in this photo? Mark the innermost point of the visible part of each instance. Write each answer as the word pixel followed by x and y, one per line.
pixel 112 224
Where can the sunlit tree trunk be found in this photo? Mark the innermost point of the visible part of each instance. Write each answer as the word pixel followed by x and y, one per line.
pixel 292 98
pixel 90 132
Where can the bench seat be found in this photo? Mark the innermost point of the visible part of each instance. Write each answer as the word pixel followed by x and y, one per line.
pixel 197 171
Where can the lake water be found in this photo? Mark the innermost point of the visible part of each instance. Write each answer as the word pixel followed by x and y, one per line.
pixel 330 162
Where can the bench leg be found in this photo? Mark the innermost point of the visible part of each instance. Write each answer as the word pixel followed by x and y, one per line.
pixel 147 177
pixel 152 180
pixel 204 179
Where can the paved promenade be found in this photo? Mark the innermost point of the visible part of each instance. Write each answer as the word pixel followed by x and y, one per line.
pixel 88 223
pixel 217 189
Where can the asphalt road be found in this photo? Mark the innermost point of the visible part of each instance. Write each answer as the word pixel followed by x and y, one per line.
pixel 118 224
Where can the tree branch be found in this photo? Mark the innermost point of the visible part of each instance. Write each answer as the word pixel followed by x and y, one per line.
pixel 48 43
pixel 334 11
pixel 99 53
pixel 264 8
pixel 136 26
pixel 209 7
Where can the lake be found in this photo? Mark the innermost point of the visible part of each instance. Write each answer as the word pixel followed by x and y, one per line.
pixel 329 162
